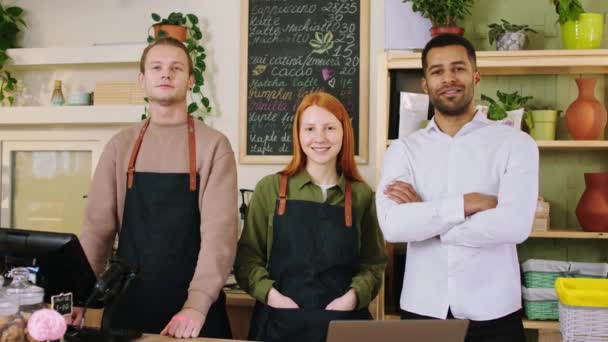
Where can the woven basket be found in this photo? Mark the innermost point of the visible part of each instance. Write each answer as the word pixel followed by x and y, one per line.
pixel 542 273
pixel 544 310
pixel 540 279
pixel 540 303
pixel 583 324
pixel 583 309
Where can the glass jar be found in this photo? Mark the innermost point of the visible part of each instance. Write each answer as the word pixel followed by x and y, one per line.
pixel 26 295
pixel 11 323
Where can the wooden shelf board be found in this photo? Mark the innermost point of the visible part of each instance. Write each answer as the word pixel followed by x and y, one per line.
pixel 103 54
pixel 568 234
pixel 572 144
pixel 541 325
pixel 70 115
pixel 521 62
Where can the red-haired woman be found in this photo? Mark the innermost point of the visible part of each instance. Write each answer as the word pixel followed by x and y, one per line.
pixel 311 250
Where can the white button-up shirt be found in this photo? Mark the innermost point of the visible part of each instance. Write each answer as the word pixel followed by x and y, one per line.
pixel 472 268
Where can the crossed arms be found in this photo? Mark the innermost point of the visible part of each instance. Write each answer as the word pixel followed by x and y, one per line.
pixel 468 219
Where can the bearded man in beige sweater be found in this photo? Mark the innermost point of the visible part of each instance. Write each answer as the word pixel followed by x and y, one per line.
pixel 167 186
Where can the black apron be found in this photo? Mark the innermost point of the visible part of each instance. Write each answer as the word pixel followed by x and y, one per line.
pixel 313 260
pixel 160 235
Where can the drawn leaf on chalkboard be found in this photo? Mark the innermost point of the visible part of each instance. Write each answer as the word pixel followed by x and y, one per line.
pixel 322 42
pixel 258 70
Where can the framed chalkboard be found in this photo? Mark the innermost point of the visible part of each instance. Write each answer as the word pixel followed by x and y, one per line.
pixel 290 48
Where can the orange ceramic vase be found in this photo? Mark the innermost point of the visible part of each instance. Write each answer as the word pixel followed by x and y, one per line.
pixel 586 116
pixel 592 208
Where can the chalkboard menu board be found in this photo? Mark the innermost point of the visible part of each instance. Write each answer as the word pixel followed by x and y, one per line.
pixel 289 49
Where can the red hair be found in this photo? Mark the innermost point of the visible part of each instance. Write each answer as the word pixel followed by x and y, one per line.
pixel 345 161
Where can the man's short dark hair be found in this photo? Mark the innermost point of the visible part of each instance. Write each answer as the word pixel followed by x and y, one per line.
pixel 448 40
pixel 165 41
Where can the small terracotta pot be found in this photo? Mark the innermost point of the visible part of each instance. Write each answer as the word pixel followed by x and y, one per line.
pixel 438 30
pixel 592 208
pixel 173 31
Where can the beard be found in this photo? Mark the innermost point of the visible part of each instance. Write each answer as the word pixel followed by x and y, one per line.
pixel 457 108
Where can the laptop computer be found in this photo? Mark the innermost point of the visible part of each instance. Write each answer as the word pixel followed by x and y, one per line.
pixel 451 330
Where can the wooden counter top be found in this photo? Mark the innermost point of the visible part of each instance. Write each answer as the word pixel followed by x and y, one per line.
pixel 158 338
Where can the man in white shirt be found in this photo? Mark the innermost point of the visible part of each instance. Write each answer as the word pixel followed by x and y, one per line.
pixel 462 193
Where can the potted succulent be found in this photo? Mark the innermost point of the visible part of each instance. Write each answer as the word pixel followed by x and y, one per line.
pixel 10 22
pixel 580 30
pixel 508 109
pixel 185 28
pixel 444 15
pixel 508 36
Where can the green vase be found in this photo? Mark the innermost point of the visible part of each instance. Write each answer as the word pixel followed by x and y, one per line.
pixel 544 124
pixel 584 33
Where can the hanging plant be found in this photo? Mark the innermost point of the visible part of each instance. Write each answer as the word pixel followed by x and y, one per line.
pixel 10 21
pixel 199 105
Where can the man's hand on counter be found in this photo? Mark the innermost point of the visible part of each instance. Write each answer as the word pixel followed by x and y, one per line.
pixel 76 316
pixel 185 324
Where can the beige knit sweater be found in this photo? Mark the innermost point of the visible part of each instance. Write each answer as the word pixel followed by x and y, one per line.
pixel 165 150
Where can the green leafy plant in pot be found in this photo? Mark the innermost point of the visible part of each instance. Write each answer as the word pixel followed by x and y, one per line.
pixel 580 30
pixel 509 108
pixel 10 22
pixel 444 14
pixel 184 27
pixel 508 36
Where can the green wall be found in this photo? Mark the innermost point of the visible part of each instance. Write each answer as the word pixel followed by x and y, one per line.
pixel 538 14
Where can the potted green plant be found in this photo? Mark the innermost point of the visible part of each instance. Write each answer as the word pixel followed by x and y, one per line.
pixel 580 30
pixel 508 36
pixel 10 21
pixel 186 28
pixel 444 15
pixel 508 109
